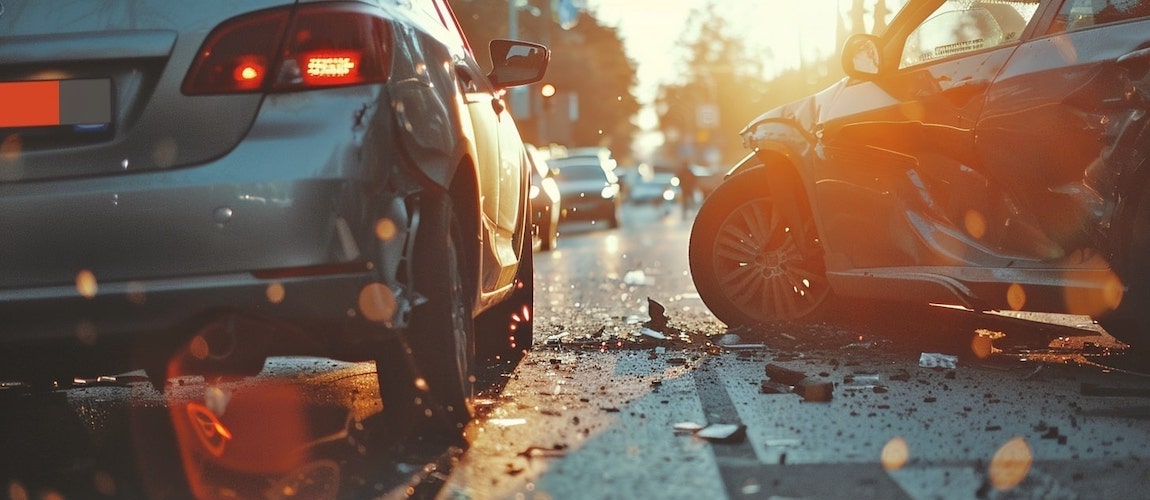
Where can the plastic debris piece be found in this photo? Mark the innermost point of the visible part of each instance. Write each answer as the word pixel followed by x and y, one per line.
pixel 507 422
pixel 937 360
pixel 658 314
pixel 784 375
pixel 687 427
pixel 815 390
pixel 723 433
pixel 635 277
pixel 772 387
pixel 653 334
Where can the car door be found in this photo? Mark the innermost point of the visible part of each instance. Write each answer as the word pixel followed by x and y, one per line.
pixel 898 177
pixel 489 121
pixel 1062 122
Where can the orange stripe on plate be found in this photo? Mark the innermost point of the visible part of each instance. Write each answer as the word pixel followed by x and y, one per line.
pixel 29 104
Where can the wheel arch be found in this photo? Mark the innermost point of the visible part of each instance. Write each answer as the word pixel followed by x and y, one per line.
pixel 780 169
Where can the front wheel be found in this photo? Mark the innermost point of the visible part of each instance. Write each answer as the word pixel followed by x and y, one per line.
pixel 753 259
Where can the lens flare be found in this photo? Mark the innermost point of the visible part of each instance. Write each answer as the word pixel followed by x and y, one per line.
pixel 1016 297
pixel 11 148
pixel 385 229
pixel 377 303
pixel 275 293
pixel 1010 464
pixel 975 224
pixel 86 284
pixel 895 454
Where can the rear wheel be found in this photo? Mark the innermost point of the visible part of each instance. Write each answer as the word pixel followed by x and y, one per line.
pixel 425 377
pixel 754 259
pixel 1130 321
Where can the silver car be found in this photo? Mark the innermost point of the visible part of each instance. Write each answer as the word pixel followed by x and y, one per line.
pixel 216 182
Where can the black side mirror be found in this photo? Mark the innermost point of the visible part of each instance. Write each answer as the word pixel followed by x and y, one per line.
pixel 515 63
pixel 862 57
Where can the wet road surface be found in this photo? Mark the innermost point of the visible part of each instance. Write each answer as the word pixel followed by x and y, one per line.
pixel 610 405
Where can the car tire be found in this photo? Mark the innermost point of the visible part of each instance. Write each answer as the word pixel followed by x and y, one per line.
pixel 505 331
pixel 425 374
pixel 744 277
pixel 1130 321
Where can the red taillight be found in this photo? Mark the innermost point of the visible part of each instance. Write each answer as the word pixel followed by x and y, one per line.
pixel 284 49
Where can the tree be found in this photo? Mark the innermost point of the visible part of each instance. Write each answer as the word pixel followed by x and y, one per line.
pixel 588 67
pixel 722 89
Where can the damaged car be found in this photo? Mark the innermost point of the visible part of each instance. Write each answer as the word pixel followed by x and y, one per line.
pixel 986 153
pixel 191 188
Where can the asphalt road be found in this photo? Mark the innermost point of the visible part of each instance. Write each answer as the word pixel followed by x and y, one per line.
pixel 603 408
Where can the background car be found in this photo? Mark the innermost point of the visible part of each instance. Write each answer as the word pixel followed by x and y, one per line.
pixel 546 204
pixel 237 180
pixel 645 185
pixel 988 154
pixel 588 192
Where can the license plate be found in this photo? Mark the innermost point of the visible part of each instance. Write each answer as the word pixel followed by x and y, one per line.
pixel 50 103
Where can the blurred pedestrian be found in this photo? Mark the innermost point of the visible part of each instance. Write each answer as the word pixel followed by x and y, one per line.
pixel 688 184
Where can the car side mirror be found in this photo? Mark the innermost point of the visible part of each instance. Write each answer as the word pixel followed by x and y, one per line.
pixel 862 57
pixel 515 63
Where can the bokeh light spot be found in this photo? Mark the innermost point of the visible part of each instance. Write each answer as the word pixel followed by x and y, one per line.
pixel 86 332
pixel 1016 297
pixel 385 229
pixel 1010 464
pixel 421 384
pixel 975 224
pixel 275 293
pixel 982 345
pixel 895 454
pixel 86 284
pixel 377 303
pixel 11 148
pixel 199 348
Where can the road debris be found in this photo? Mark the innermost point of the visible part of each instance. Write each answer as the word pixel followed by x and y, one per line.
pixel 815 390
pixel 636 278
pixel 653 334
pixel 658 321
pixel 723 433
pixel 772 387
pixel 784 375
pixel 937 360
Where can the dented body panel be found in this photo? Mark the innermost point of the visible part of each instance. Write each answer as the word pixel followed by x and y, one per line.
pixel 995 179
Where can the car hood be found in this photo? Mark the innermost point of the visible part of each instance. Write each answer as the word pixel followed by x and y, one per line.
pixel 803 114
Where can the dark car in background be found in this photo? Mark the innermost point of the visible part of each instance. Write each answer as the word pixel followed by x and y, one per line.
pixel 992 154
pixel 588 191
pixel 226 181
pixel 546 204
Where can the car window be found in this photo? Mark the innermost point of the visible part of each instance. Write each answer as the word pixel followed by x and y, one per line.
pixel 961 26
pixel 581 172
pixel 1080 14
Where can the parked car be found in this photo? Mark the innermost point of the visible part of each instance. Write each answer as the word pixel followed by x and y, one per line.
pixel 546 204
pixel 645 185
pixel 991 154
pixel 587 191
pixel 241 179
